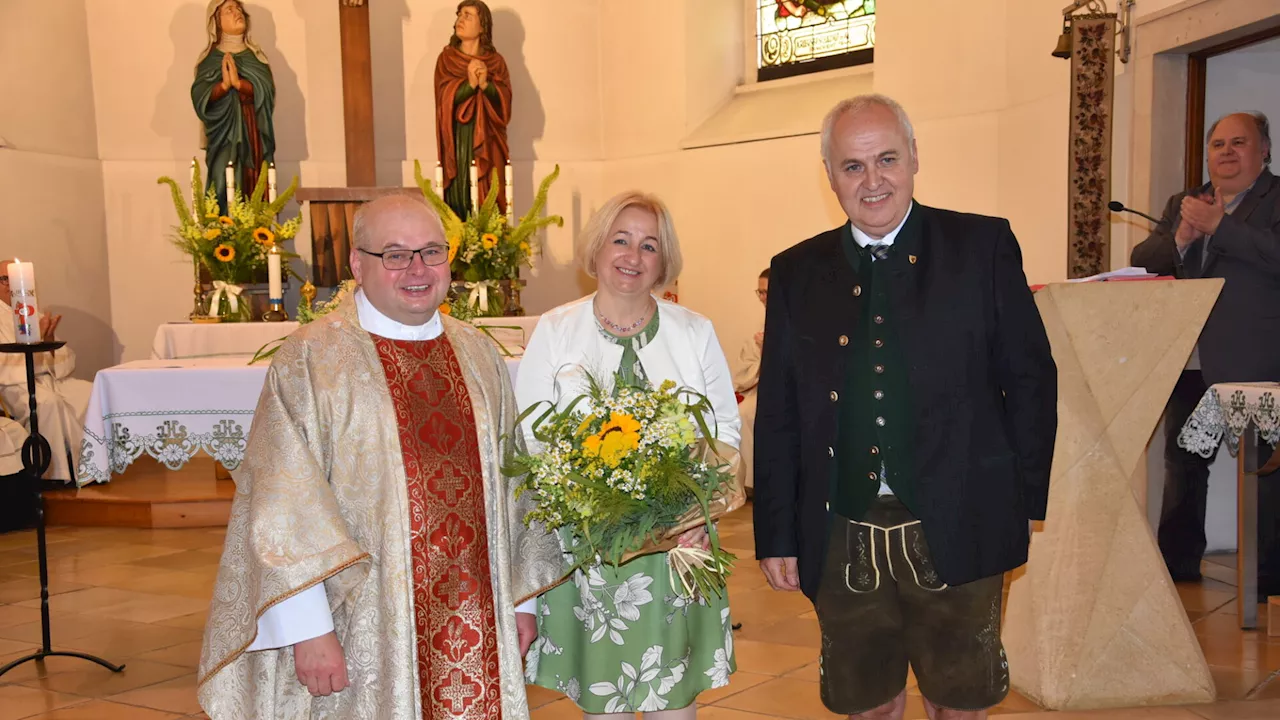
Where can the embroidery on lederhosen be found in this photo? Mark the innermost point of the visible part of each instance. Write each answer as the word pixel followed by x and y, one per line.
pixel 862 572
pixel 989 639
pixel 918 557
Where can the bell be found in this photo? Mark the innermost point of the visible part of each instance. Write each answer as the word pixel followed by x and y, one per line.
pixel 1064 45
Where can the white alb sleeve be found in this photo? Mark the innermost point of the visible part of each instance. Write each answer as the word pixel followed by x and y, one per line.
pixel 529 606
pixel 301 617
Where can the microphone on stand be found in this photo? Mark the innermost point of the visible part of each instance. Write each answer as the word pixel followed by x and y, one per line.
pixel 1117 206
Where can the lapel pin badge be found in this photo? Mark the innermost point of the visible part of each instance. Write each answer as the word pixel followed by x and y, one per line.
pixel 912 259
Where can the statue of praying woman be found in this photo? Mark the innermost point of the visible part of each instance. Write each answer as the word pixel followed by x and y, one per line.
pixel 234 97
pixel 473 108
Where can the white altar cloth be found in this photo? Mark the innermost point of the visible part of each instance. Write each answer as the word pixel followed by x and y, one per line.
pixel 199 340
pixel 171 410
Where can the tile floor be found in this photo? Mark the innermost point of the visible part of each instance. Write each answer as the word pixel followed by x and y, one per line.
pixel 140 597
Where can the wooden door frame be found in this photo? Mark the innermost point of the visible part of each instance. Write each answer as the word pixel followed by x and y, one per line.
pixel 1197 67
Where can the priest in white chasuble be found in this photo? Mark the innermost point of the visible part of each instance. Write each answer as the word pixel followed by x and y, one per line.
pixel 375 554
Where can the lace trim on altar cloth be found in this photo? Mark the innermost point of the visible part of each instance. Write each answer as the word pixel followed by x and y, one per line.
pixel 172 444
pixel 1213 418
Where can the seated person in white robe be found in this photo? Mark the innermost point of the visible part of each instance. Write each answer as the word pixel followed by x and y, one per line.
pixel 12 436
pixel 745 379
pixel 61 400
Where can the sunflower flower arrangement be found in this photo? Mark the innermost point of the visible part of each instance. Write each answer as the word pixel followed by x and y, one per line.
pixel 622 473
pixel 484 250
pixel 233 247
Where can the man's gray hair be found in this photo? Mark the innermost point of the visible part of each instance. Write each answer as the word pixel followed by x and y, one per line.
pixel 857 104
pixel 1264 132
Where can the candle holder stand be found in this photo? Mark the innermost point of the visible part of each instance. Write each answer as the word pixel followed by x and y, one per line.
pixel 36 457
pixel 276 312
pixel 197 305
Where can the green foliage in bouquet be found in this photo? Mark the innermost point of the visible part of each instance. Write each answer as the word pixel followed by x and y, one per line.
pixel 484 246
pixel 617 471
pixel 234 246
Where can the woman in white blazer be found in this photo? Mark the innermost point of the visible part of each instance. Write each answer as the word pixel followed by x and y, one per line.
pixel 622 640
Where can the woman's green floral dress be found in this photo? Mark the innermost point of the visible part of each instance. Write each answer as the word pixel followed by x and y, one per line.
pixel 623 639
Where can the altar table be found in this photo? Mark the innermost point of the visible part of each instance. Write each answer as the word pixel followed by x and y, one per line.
pixel 171 410
pixel 1233 409
pixel 200 340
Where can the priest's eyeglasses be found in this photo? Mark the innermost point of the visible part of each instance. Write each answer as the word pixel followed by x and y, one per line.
pixel 399 259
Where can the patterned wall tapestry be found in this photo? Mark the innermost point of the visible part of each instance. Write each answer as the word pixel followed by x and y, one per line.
pixel 1093 60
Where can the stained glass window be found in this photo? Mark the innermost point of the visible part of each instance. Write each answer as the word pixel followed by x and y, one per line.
pixel 802 36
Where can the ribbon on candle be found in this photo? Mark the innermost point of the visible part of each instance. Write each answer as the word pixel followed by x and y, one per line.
pixel 479 294
pixel 231 291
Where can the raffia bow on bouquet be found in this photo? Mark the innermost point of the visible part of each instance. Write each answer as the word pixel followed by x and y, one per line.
pixel 626 473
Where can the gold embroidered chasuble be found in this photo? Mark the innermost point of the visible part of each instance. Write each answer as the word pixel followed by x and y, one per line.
pixel 323 496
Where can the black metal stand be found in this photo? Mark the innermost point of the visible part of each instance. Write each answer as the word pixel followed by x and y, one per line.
pixel 36 457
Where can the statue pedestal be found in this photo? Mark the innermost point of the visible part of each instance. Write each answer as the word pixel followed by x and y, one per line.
pixel 1093 620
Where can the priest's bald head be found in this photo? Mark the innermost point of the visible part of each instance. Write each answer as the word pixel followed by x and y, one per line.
pixel 400 258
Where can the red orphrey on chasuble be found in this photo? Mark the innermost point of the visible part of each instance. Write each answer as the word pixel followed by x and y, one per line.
pixel 452 592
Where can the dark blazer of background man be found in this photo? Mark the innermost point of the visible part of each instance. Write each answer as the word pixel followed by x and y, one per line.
pixel 1227 228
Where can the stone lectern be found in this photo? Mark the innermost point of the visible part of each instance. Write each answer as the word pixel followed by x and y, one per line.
pixel 1093 619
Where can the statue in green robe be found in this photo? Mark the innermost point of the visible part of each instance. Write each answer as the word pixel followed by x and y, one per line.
pixel 234 97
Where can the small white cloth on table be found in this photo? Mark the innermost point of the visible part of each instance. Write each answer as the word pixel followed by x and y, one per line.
pixel 201 340
pixel 1229 409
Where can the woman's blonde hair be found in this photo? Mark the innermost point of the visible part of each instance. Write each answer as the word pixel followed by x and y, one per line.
pixel 596 232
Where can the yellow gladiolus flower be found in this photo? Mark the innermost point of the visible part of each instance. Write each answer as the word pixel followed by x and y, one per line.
pixel 212 234
pixel 488 241
pixel 263 236
pixel 226 221
pixel 225 253
pixel 524 246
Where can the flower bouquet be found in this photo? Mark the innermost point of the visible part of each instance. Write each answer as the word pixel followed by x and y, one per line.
pixel 233 247
pixel 623 474
pixel 485 252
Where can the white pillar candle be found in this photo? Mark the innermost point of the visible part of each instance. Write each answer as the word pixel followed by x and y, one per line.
pixel 274 290
pixel 439 179
pixel 231 181
pixel 271 182
pixel 511 195
pixel 26 311
pixel 475 186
